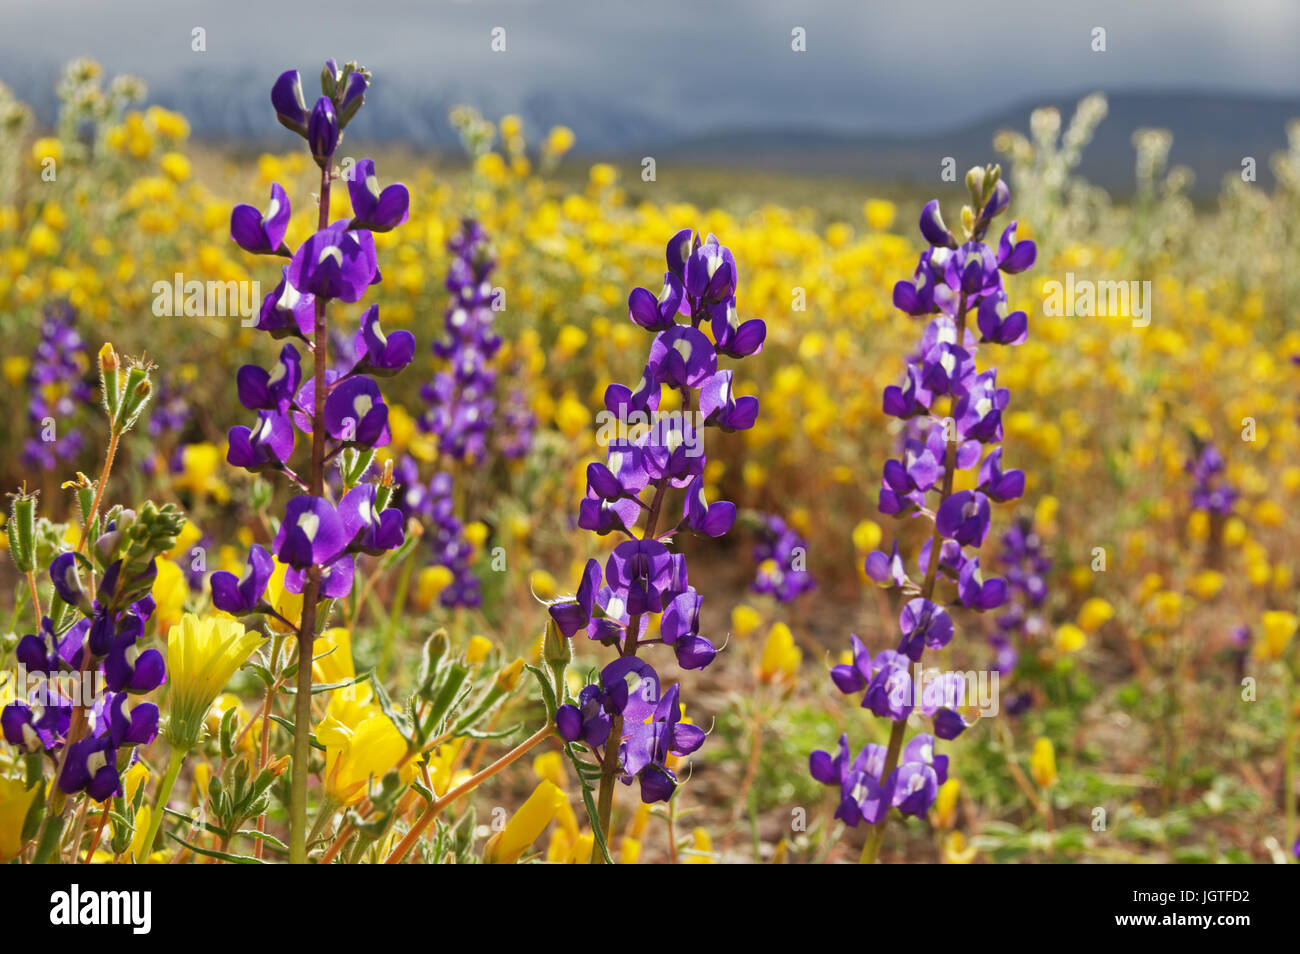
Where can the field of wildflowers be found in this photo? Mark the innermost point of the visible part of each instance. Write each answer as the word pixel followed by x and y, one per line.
pixel 353 500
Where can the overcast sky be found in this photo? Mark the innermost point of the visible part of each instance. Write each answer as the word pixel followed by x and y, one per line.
pixel 896 65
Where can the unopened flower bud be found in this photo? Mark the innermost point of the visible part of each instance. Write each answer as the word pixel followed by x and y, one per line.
pixel 509 676
pixel 22 531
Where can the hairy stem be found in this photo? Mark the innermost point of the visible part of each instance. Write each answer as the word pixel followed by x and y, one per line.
pixel 474 781
pixel 871 850
pixel 160 801
pixel 311 592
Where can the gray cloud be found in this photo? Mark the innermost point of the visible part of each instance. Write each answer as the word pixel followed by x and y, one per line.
pixel 689 66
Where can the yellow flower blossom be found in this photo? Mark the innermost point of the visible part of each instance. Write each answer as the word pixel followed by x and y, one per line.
pixel 478 649
pixel 1070 638
pixel 202 654
pixel 430 582
pixel 1042 763
pixel 170 591
pixel 1276 631
pixel 1094 613
pixel 780 659
pixel 744 620
pixel 361 745
pixel 15 800
pixel 526 825
pixel 955 851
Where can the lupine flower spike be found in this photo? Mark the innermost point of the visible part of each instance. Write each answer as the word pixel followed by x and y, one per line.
pixel 952 412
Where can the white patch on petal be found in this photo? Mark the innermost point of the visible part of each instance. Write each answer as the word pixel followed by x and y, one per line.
pixel 309 524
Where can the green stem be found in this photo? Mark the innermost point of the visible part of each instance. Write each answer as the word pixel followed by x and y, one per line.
pixel 160 801
pixel 605 798
pixel 609 766
pixel 323 818
pixel 47 847
pixel 311 592
pixel 871 850
pixel 1289 762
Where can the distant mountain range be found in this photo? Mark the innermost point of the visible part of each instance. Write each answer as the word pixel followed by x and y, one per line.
pixel 1212 131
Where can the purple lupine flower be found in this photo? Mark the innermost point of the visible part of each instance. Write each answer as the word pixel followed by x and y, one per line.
pixel 656 312
pixel 242 595
pixel 311 533
pixel 1211 491
pixel 323 131
pixel 862 798
pixel 378 353
pixel 649 743
pixel 267 446
pixel 573 614
pixel 262 233
pixel 91 766
pixel 107 643
pixel 952 414
pixel 462 402
pixel 652 726
pixel 517 425
pixel 287 311
pixel 57 390
pixel 340 262
pixel 710 520
pixel 642 575
pixel 272 390
pixel 372 209
pixel 447 544
pixel 1025 567
pixel 370 529
pixel 355 413
pixel 461 399
pixel 169 411
pixel 336 262
pixel 287 99
pixel 335 576
pixel 782 556
pixel 736 338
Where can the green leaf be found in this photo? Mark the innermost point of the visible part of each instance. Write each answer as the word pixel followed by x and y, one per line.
pixel 593 814
pixel 548 693
pixel 281 720
pixel 227 734
pixel 499 734
pixel 265 836
pixel 223 855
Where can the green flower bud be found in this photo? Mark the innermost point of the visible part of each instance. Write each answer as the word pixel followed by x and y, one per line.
pixel 21 529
